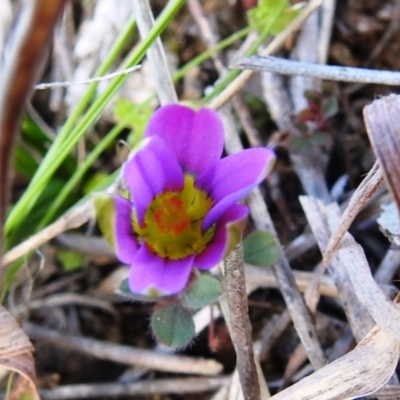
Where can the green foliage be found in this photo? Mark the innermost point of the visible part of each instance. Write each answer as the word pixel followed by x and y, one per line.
pixel 93 182
pixel 105 213
pixel 265 12
pixel 203 291
pixel 135 117
pixel 70 260
pixel 24 162
pixel 173 326
pixel 81 118
pixel 9 277
pixel 259 249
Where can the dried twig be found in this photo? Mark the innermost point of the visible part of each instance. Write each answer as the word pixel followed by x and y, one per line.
pixel 52 85
pixel 327 16
pixel 68 299
pixel 74 218
pixel 145 388
pixel 358 200
pixel 124 354
pixel 328 72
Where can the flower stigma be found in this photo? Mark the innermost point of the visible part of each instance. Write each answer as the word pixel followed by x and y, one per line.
pixel 172 222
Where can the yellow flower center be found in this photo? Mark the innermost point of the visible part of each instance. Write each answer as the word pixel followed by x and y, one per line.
pixel 172 222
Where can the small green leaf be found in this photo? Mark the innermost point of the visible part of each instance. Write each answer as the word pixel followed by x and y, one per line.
pixel 205 290
pixel 24 162
pixel 93 182
pixel 267 10
pixel 173 326
pixel 71 260
pixel 136 117
pixel 105 212
pixel 260 249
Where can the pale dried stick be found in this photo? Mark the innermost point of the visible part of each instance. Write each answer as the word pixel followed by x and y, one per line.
pixel 151 387
pixel 156 55
pixel 124 354
pixel 72 219
pixel 274 46
pixel 52 85
pixel 363 193
pixel 328 72
pixel 67 299
pixel 327 13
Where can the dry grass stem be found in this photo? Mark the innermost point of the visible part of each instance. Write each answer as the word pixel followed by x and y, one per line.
pixel 327 72
pixel 124 354
pixel 72 219
pixel 149 387
pixel 52 85
pixel 359 199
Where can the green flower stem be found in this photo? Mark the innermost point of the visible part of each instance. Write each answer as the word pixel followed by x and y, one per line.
pixel 68 140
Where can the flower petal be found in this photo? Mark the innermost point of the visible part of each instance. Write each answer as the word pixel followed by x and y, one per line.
pixel 151 274
pixel 126 245
pixel 196 137
pixel 151 170
pixel 233 178
pixel 220 244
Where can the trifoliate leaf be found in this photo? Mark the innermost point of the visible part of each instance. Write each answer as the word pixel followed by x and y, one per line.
pixel 173 326
pixel 205 290
pixel 260 249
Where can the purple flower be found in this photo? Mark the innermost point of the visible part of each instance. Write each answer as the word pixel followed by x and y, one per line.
pixel 183 199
